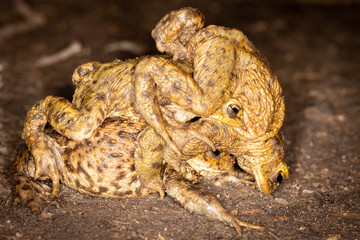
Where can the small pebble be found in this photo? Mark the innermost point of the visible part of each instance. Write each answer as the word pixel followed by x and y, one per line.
pixel 307 191
pixel 281 201
pixel 47 214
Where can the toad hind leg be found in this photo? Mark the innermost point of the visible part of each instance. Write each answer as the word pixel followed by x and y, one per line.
pixel 47 152
pixel 27 190
pixel 32 193
pixel 149 161
pixel 65 119
pixel 199 201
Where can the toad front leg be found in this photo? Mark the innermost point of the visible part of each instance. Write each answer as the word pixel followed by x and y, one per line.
pixel 156 75
pixel 203 95
pixel 149 159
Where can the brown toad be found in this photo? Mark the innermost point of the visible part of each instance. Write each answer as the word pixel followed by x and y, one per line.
pixel 104 165
pixel 226 78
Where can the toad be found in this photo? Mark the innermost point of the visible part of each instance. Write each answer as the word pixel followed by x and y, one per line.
pixel 104 165
pixel 230 79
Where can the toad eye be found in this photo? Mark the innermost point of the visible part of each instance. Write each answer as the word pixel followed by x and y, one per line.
pixel 233 110
pixel 278 177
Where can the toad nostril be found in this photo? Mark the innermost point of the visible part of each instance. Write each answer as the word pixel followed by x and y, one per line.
pixel 216 153
pixel 194 119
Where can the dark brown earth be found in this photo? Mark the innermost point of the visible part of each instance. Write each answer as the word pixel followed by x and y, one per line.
pixel 314 47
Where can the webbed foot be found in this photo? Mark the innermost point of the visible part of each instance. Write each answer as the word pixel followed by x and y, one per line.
pixel 181 136
pixel 33 194
pixel 46 161
pixel 188 172
pixel 236 177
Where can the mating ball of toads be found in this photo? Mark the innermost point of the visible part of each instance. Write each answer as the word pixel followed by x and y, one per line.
pixel 160 124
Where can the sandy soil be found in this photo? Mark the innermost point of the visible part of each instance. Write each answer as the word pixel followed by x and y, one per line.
pixel 313 47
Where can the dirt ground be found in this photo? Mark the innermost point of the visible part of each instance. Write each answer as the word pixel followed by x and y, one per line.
pixel 313 46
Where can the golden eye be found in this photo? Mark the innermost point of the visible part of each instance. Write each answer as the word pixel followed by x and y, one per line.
pixel 233 110
pixel 278 177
